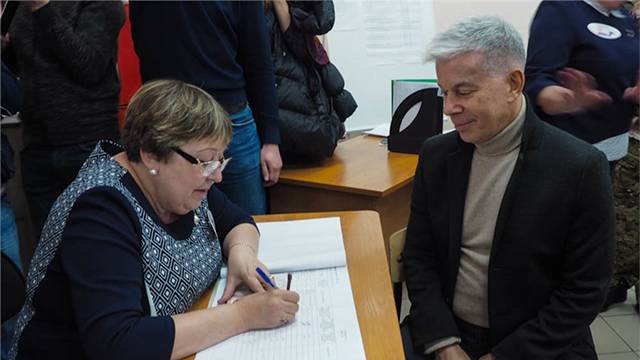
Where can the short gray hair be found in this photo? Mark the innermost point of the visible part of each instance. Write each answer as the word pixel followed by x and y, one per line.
pixel 498 40
pixel 165 114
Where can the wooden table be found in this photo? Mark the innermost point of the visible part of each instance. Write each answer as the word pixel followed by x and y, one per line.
pixel 370 282
pixel 361 175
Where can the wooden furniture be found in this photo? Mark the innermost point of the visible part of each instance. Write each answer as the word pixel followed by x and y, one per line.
pixel 370 283
pixel 361 175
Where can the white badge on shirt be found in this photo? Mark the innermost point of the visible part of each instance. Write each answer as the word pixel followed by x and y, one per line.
pixel 604 31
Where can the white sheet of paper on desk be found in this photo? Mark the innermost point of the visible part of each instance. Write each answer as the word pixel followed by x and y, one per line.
pixel 300 245
pixel 325 327
pixel 380 130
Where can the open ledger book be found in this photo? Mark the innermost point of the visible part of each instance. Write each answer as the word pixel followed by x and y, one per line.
pixel 326 325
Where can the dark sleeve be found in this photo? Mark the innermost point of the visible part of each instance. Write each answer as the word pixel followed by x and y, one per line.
pixel 254 55
pixel 100 254
pixel 86 48
pixel 226 214
pixel 588 262
pixel 551 40
pixel 430 317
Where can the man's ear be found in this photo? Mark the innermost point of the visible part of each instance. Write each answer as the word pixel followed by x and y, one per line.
pixel 515 79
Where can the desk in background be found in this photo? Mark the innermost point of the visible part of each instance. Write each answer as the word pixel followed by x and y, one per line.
pixel 370 282
pixel 361 175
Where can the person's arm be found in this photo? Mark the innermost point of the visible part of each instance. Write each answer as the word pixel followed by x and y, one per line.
pixel 86 48
pixel 632 93
pixel 313 18
pixel 588 258
pixel 239 240
pixel 254 54
pixel 100 254
pixel 547 82
pixel 431 319
pixel 281 9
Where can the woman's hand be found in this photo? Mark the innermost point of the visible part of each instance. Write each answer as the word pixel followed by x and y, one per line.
pixel 242 263
pixel 633 93
pixel 267 309
pixel 577 92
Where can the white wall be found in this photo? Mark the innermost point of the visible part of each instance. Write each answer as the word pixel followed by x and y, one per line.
pixel 375 41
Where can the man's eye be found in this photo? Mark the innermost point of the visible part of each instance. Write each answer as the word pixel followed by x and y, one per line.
pixel 464 92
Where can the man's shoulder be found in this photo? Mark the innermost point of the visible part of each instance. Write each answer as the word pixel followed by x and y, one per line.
pixel 442 144
pixel 562 143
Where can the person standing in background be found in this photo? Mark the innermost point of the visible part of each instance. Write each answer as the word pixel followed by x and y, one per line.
pixel 221 47
pixel 313 104
pixel 9 241
pixel 66 55
pixel 584 81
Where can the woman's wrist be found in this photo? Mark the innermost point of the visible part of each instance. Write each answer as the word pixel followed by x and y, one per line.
pixel 238 313
pixel 243 245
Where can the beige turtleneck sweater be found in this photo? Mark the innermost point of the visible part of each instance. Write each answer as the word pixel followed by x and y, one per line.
pixel 491 168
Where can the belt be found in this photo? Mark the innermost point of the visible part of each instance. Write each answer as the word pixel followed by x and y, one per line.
pixel 234 108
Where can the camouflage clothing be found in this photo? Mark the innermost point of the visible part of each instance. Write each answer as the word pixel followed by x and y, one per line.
pixel 626 197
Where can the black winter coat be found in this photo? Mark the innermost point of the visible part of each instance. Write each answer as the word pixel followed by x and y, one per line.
pixel 309 124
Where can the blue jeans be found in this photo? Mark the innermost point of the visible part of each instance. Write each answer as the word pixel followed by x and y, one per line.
pixel 10 247
pixel 242 178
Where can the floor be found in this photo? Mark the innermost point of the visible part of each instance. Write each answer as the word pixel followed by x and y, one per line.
pixel 616 332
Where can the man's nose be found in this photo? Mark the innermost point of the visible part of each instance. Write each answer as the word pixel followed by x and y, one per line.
pixel 451 107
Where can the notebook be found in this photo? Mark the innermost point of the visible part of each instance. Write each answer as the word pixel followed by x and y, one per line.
pixel 326 325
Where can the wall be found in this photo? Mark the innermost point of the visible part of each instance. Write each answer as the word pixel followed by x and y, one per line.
pixel 375 41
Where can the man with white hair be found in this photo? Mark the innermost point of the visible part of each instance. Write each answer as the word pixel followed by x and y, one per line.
pixel 510 240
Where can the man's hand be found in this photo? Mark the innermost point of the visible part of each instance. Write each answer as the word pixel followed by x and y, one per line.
pixel 5 40
pixel 271 163
pixel 453 352
pixel 35 5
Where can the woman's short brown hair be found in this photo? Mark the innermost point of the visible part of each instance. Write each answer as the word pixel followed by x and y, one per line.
pixel 165 114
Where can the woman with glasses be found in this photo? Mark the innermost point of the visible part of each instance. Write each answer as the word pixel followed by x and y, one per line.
pixel 139 236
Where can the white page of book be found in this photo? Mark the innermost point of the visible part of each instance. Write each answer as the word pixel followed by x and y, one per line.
pixel 300 245
pixel 325 327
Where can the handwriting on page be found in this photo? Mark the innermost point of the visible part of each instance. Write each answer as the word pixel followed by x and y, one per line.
pixel 324 328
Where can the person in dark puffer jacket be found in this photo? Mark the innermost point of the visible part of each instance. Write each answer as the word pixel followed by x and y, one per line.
pixel 313 103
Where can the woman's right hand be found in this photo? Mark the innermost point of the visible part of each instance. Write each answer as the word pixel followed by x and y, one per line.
pixel 268 309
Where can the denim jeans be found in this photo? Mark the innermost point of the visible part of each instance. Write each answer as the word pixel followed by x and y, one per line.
pixel 46 172
pixel 10 247
pixel 242 178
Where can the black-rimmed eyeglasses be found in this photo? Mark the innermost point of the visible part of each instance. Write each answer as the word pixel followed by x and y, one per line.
pixel 207 167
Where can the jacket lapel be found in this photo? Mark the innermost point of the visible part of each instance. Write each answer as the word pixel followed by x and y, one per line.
pixel 530 140
pixel 458 168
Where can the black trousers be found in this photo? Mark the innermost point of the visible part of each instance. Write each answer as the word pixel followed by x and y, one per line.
pixel 46 172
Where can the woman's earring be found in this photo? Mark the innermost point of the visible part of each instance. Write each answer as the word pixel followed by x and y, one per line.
pixel 153 172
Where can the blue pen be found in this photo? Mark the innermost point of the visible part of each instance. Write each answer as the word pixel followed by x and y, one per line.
pixel 265 278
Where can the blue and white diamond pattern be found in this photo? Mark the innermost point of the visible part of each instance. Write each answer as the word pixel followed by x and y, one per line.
pixel 177 272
